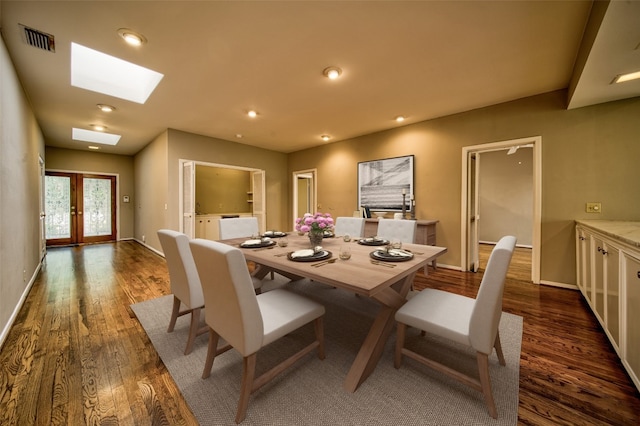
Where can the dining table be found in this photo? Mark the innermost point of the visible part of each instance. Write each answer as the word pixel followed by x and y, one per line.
pixel 386 281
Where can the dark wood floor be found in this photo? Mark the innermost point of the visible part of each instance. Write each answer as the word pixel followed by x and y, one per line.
pixel 77 355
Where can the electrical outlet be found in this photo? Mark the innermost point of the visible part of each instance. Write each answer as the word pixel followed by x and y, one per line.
pixel 594 207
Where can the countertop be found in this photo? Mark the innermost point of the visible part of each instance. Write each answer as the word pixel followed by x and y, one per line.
pixel 627 231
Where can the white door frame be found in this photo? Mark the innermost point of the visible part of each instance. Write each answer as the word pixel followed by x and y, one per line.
pixel 182 213
pixel 536 141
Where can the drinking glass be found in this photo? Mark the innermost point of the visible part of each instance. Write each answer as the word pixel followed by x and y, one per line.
pixel 283 242
pixel 345 252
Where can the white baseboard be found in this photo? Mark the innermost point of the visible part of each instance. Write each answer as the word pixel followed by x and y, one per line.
pixel 16 310
pixel 158 252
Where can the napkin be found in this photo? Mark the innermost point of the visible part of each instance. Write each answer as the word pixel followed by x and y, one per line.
pixel 302 253
pixel 400 253
pixel 252 242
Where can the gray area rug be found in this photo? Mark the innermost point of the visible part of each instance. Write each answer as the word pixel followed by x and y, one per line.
pixel 311 392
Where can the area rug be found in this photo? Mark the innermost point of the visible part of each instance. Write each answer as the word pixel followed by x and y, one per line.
pixel 312 393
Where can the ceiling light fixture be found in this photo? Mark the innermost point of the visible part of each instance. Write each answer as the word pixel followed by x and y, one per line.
pixel 93 147
pixel 325 137
pixel 239 135
pixel 131 37
pixel 621 78
pixel 400 118
pixel 99 127
pixel 332 72
pixel 252 114
pixel 106 108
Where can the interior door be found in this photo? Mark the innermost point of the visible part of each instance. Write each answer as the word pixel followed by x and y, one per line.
pixel 259 198
pixel 189 198
pixel 472 215
pixel 79 208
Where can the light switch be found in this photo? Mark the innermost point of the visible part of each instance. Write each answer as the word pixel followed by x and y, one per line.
pixel 594 207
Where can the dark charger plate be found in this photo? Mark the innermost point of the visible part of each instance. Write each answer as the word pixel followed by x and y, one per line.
pixel 274 234
pixel 262 244
pixel 388 257
pixel 319 255
pixel 373 242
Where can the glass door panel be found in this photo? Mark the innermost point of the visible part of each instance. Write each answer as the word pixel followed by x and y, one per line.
pixel 79 208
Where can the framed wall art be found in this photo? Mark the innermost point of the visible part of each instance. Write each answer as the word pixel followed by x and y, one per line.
pixel 381 183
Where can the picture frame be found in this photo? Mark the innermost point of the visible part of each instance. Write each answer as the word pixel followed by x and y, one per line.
pixel 381 183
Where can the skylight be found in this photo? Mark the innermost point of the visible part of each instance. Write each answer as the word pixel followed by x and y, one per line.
pixel 102 73
pixel 96 137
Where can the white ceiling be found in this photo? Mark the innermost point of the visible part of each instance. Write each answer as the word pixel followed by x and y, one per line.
pixel 422 59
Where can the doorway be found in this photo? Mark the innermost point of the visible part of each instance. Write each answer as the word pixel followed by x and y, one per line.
pixel 471 220
pixel 304 192
pixel 79 208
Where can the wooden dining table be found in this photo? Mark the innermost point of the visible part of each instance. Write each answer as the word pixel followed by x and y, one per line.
pixel 388 283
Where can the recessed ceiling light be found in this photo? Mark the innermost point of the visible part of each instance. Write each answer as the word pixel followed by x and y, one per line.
pixel 106 108
pixel 252 114
pixel 102 73
pixel 400 118
pixel 332 72
pixel 325 137
pixel 93 147
pixel 239 135
pixel 99 127
pixel 621 78
pixel 131 37
pixel 95 137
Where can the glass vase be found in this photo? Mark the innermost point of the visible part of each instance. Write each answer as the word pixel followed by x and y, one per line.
pixel 315 238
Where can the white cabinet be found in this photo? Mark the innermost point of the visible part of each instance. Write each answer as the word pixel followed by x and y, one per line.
pixel 207 226
pixel 608 275
pixel 631 355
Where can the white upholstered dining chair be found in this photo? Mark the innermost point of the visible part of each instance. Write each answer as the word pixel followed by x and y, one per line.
pixel 246 321
pixel 471 322
pixel 352 226
pixel 402 230
pixel 184 282
pixel 238 227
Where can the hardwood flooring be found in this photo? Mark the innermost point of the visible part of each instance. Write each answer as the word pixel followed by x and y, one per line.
pixel 77 355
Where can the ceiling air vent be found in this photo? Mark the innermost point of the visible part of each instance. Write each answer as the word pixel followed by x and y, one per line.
pixel 38 39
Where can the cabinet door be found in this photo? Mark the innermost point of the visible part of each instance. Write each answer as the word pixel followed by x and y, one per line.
pixel 584 263
pixel 612 288
pixel 632 317
pixel 212 232
pixel 200 229
pixel 598 277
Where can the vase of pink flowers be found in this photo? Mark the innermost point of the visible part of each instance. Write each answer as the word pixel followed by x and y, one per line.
pixel 315 225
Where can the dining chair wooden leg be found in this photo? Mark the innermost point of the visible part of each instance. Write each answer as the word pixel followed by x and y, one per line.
pixel 246 387
pixel 212 351
pixel 498 347
pixel 193 330
pixel 318 326
pixel 400 335
pixel 485 383
pixel 175 312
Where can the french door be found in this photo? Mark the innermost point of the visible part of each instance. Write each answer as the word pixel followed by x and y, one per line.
pixel 79 208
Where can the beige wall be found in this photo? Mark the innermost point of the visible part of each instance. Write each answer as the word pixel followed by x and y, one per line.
pixel 189 146
pixel 505 195
pixel 151 183
pixel 589 154
pixel 21 146
pixel 94 162
pixel 222 190
pixel 157 171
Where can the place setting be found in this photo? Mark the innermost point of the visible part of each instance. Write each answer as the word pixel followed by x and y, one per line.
pixel 258 243
pixel 373 241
